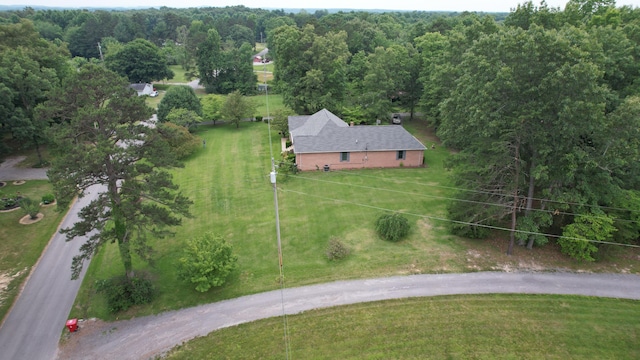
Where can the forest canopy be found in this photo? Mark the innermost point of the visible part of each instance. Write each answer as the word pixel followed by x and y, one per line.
pixel 542 104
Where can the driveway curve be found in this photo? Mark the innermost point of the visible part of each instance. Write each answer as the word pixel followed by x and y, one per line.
pixel 149 337
pixel 9 171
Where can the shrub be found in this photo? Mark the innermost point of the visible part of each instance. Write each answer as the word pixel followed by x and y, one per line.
pixel 122 292
pixel 10 202
pixel 287 167
pixel 392 227
pixel 30 207
pixel 207 261
pixel 259 118
pixel 336 250
pixel 48 198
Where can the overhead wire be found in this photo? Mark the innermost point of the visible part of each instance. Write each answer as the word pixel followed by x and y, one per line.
pixel 484 192
pixel 554 212
pixel 455 221
pixel 272 176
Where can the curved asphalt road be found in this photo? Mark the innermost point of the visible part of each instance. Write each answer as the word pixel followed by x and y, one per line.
pixel 32 328
pixel 149 337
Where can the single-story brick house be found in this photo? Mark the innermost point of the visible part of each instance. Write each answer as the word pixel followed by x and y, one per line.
pixel 323 139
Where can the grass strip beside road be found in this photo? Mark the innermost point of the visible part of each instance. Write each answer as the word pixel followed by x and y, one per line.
pixel 445 327
pixel 22 245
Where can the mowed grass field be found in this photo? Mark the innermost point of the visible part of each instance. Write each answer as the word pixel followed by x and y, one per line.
pixel 445 327
pixel 228 182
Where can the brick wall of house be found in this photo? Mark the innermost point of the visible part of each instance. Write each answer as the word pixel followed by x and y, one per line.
pixel 359 160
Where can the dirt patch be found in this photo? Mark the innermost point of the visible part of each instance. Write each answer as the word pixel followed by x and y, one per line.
pixel 27 220
pixel 490 255
pixel 5 280
pixel 70 341
pixel 19 182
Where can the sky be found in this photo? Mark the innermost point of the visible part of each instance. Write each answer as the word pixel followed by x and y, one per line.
pixel 423 5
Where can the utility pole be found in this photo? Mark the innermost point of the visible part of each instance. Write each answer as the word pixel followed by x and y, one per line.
pixel 272 177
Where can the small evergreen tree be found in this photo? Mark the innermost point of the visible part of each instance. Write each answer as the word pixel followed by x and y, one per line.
pixel 392 227
pixel 30 207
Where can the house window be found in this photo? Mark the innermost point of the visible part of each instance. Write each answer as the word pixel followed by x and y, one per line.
pixel 344 156
pixel 401 155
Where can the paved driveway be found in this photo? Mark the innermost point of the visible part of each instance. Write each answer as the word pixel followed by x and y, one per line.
pixel 8 171
pixel 148 337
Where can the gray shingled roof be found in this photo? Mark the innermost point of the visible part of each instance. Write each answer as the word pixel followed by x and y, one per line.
pixel 323 133
pixel 138 87
pixel 311 125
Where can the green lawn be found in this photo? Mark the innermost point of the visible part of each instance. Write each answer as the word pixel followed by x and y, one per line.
pixel 178 75
pixel 446 327
pixel 229 185
pixel 275 103
pixel 228 182
pixel 263 77
pixel 264 67
pixel 22 245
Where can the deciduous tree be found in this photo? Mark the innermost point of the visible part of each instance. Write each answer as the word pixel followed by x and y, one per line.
pixel 211 107
pixel 207 261
pixel 184 117
pixel 179 97
pixel 29 68
pixel 237 107
pixel 527 109
pixel 140 61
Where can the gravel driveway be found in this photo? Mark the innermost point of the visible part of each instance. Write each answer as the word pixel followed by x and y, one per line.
pixel 151 336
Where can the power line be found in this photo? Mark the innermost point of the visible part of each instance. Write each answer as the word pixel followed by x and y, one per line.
pixel 482 192
pixel 272 178
pixel 554 212
pixel 457 221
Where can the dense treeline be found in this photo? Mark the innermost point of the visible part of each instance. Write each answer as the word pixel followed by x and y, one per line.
pixel 542 104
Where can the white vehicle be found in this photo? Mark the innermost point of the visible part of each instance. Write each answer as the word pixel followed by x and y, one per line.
pixel 154 93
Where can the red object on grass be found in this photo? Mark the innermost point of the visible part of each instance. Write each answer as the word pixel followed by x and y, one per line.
pixel 72 325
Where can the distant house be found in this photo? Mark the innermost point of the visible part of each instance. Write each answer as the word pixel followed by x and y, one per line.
pixel 142 89
pixel 323 140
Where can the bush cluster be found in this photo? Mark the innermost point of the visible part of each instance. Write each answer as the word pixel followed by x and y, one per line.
pixel 336 250
pixel 392 227
pixel 122 292
pixel 9 202
pixel 48 198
